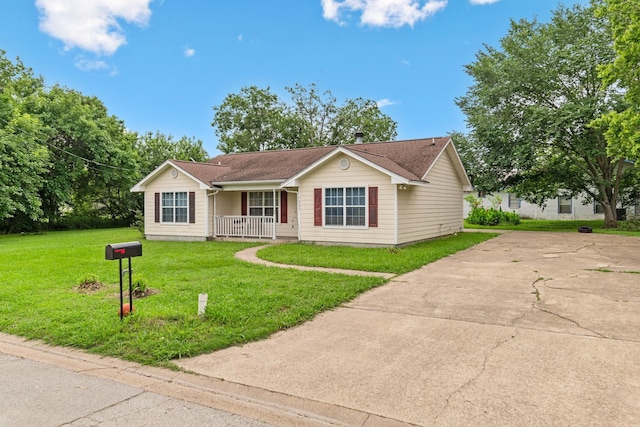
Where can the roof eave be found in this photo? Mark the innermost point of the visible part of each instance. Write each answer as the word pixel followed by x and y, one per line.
pixel 457 164
pixel 248 185
pixel 294 180
pixel 140 186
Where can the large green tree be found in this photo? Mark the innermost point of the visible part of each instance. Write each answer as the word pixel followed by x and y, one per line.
pixel 256 119
pixel 22 160
pixel 155 149
pixel 91 154
pixel 623 127
pixel 531 105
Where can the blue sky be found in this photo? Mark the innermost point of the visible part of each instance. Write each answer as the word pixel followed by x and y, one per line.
pixel 161 65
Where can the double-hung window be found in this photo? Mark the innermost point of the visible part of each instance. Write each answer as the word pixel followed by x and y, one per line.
pixel 264 203
pixel 598 208
pixel 514 201
pixel 175 207
pixel 345 206
pixel 564 204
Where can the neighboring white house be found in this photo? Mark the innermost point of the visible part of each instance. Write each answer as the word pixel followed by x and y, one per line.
pixel 385 193
pixel 563 208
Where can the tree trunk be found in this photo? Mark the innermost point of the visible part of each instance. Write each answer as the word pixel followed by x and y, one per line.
pixel 610 217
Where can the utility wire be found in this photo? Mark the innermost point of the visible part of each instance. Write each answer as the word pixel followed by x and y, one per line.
pixel 44 140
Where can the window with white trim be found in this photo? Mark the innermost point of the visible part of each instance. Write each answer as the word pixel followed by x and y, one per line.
pixel 264 203
pixel 514 201
pixel 598 208
pixel 175 207
pixel 564 204
pixel 345 207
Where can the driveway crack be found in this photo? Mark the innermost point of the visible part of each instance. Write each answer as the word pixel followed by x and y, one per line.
pixel 572 321
pixel 475 378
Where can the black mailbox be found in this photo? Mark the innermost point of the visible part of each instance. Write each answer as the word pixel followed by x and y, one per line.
pixel 123 250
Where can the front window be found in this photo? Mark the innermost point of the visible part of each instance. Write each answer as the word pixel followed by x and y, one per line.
pixel 345 206
pixel 598 208
pixel 514 201
pixel 263 203
pixel 564 204
pixel 175 207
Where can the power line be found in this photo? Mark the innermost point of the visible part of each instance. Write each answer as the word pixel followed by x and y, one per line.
pixel 24 132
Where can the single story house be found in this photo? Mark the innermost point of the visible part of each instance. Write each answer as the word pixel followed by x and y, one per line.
pixel 374 194
pixel 558 208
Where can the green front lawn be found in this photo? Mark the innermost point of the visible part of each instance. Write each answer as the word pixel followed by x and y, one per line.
pixel 554 225
pixel 40 296
pixel 388 260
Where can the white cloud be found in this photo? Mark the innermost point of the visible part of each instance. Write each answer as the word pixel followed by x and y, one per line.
pixel 240 38
pixel 91 25
pixel 90 64
pixel 405 62
pixel 189 52
pixel 385 102
pixel 483 1
pixel 85 64
pixel 383 13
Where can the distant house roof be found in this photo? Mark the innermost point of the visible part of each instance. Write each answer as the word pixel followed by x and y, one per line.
pixel 409 160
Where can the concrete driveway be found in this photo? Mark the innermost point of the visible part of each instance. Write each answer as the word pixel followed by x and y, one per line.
pixel 525 329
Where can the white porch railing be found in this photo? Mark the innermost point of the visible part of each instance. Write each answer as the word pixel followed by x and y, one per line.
pixel 245 226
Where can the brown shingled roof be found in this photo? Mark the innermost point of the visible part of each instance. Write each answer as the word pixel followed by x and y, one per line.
pixel 205 172
pixel 268 165
pixel 410 159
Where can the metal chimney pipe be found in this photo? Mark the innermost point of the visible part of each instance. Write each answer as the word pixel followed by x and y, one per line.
pixel 359 136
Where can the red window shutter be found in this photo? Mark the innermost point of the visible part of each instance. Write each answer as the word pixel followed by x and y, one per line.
pixel 243 197
pixel 156 207
pixel 373 206
pixel 192 207
pixel 283 207
pixel 317 207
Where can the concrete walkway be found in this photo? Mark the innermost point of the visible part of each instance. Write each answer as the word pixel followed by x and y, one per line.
pixel 250 255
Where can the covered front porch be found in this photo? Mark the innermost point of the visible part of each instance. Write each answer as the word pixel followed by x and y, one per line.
pixel 254 213
pixel 245 226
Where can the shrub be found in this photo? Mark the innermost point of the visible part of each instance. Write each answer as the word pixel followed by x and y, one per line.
pixel 480 215
pixel 631 224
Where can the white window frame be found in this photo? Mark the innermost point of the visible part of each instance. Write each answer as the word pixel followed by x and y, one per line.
pixel 344 207
pixel 173 207
pixel 517 199
pixel 560 204
pixel 595 207
pixel 260 209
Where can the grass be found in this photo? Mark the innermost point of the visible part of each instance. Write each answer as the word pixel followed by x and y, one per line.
pixel 40 296
pixel 387 260
pixel 555 225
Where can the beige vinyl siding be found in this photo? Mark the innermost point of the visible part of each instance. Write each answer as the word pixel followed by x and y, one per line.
pixel 228 203
pixel 329 175
pixel 433 210
pixel 158 230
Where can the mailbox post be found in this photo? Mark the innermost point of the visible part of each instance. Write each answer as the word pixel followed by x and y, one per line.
pixel 120 251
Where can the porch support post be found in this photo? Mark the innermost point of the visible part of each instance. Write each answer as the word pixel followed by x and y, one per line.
pixel 215 225
pixel 206 215
pixel 275 202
